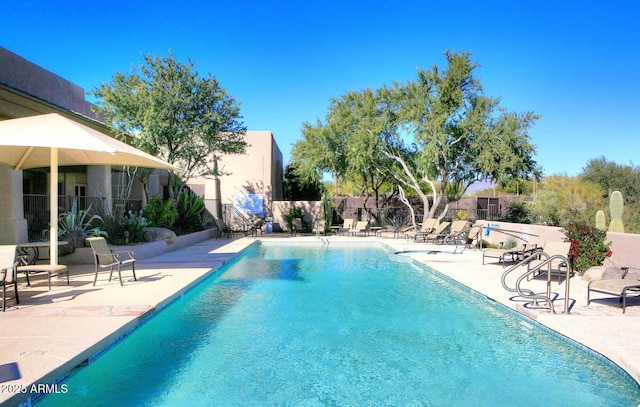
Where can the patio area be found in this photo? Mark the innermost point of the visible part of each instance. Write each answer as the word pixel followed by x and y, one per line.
pixel 50 332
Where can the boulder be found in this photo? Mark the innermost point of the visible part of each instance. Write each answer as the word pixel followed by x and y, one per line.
pixel 593 273
pixel 156 234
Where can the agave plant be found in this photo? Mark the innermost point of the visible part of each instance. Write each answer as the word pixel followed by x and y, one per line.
pixel 76 225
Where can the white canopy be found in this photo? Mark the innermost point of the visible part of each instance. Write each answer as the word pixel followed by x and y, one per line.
pixel 52 140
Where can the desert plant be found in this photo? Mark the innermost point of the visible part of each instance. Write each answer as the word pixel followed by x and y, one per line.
pixel 190 209
pixel 588 246
pixel 161 214
pixel 600 220
pixel 76 225
pixel 396 221
pixel 134 227
pixel 616 208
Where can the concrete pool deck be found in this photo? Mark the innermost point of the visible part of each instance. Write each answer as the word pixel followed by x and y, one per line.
pixel 50 332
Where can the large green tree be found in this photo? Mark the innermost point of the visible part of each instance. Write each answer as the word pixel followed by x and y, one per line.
pixel 434 135
pixel 166 108
pixel 347 145
pixel 459 135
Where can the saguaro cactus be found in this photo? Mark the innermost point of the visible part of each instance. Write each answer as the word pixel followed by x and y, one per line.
pixel 600 221
pixel 616 207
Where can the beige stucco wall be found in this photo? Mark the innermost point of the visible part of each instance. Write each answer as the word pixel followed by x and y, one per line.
pixel 33 81
pixel 259 171
pixel 623 245
pixel 311 210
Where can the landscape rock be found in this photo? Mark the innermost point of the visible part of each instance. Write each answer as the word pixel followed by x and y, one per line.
pixel 165 234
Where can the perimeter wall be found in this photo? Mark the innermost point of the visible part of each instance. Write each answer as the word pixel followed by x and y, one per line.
pixel 623 245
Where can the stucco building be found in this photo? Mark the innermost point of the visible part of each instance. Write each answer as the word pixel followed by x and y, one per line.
pixel 27 89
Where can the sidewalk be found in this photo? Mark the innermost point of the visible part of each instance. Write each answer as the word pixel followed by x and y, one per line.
pixel 51 332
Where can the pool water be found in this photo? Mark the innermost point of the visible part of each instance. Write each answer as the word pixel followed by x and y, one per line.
pixel 340 326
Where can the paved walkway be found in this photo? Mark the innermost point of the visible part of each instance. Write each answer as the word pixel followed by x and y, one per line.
pixel 50 332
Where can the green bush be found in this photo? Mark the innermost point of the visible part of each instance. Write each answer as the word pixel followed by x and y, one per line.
pixel 588 246
pixel 518 212
pixel 294 213
pixel 161 214
pixel 134 226
pixel 114 229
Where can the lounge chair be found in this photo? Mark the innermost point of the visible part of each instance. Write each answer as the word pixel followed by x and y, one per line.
pixel 8 265
pixel 457 233
pixel 105 257
pixel 429 225
pixel 319 227
pixel 510 255
pixel 438 235
pixel 347 226
pixel 50 269
pixel 474 237
pixel 626 285
pixel 362 226
pixel 553 248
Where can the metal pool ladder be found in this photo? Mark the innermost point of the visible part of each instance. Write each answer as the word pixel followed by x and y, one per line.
pixel 531 271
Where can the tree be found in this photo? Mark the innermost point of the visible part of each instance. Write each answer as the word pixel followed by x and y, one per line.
pixel 459 134
pixel 347 145
pixel 563 200
pixel 165 108
pixel 300 189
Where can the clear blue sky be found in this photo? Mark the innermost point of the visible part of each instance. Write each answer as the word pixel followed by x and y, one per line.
pixel 575 63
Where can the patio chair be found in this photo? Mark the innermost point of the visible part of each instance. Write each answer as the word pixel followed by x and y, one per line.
pixel 457 233
pixel 361 226
pixel 438 235
pixel 8 264
pixel 256 228
pixel 297 226
pixel 105 257
pixel 511 255
pixel 223 229
pixel 320 227
pixel 429 225
pixel 347 226
pixel 616 285
pixel 558 266
pixel 474 236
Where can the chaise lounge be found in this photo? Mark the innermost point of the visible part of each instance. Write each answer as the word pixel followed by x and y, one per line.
pixel 622 287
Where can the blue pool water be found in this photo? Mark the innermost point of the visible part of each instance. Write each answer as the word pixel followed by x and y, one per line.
pixel 340 326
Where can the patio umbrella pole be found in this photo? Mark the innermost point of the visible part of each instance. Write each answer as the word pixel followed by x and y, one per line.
pixel 53 208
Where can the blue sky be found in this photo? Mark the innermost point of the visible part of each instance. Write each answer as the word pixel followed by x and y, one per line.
pixel 575 63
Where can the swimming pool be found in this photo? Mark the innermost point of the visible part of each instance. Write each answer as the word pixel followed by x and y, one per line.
pixel 340 325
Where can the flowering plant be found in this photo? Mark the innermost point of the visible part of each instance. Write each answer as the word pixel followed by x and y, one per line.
pixel 135 225
pixel 588 246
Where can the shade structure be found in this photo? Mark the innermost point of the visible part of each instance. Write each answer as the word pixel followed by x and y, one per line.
pixel 52 140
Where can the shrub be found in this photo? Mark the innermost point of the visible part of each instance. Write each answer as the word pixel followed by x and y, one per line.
pixel 518 212
pixel 136 226
pixel 191 212
pixel 588 246
pixel 294 213
pixel 461 215
pixel 161 214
